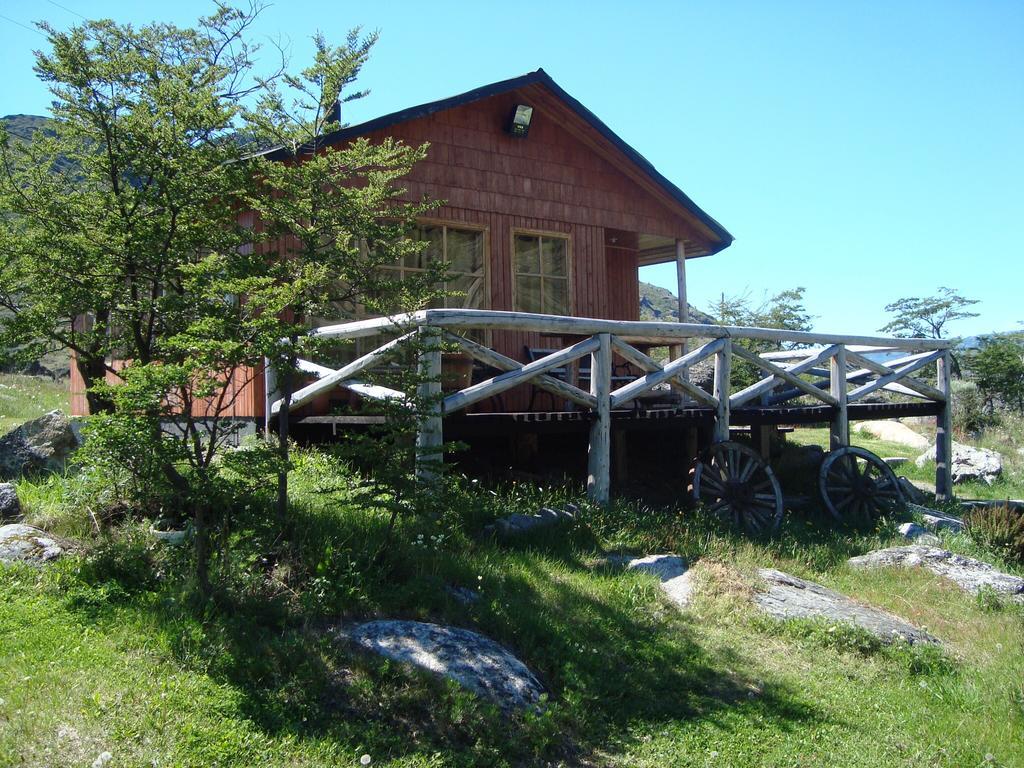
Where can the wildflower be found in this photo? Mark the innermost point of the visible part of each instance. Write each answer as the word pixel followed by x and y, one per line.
pixel 365 760
pixel 102 760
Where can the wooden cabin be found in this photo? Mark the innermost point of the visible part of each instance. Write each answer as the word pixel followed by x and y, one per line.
pixel 556 217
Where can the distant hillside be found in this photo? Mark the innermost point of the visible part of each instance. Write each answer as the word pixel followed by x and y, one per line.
pixel 658 303
pixel 22 127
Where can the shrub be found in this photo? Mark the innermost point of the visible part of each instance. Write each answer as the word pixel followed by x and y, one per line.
pixel 970 416
pixel 999 529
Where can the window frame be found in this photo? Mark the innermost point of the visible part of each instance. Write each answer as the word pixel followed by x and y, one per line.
pixel 569 271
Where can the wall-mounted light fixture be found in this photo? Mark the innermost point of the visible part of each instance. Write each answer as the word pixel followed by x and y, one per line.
pixel 519 125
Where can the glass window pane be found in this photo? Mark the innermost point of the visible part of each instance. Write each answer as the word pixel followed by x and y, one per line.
pixel 528 294
pixel 556 296
pixel 466 251
pixel 465 292
pixel 553 257
pixel 433 251
pixel 527 254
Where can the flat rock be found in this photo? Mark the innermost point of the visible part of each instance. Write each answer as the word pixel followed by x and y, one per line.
pixel 10 507
pixel 788 597
pixel 470 659
pixel 893 432
pixel 918 533
pixel 517 525
pixel 670 570
pixel 969 463
pixel 40 445
pixel 895 461
pixel 937 521
pixel 25 544
pixel 967 573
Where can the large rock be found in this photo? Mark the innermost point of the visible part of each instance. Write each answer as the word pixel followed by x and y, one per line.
pixel 10 507
pixel 967 573
pixel 670 571
pixel 25 544
pixel 969 463
pixel 470 659
pixel 788 597
pixel 893 432
pixel 41 445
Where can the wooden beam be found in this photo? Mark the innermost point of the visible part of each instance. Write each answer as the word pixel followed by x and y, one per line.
pixel 839 434
pixel 599 446
pixel 502 363
pixel 270 394
pixel 430 431
pixel 678 350
pixel 896 374
pixel 723 370
pixel 672 370
pixel 944 431
pixel 504 381
pixel 870 366
pixel 779 373
pixel 646 363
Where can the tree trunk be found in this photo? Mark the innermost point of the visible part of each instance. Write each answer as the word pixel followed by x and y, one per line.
pixel 94 371
pixel 202 552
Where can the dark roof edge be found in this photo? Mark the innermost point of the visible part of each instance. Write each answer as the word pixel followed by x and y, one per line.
pixel 542 77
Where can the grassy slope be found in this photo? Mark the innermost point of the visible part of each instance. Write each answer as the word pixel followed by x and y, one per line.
pixel 92 661
pixel 27 397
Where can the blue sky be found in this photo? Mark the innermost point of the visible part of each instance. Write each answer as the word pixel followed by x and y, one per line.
pixel 865 151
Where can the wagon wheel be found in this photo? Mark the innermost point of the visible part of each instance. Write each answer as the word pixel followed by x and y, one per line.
pixel 732 481
pixel 857 486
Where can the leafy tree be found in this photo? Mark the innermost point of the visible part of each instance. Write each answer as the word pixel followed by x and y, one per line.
pixel 928 317
pixel 998 370
pixel 133 180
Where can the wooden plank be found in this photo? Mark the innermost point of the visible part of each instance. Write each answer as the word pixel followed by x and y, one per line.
pixel 309 392
pixel 839 434
pixel 599 446
pixel 630 391
pixel 504 381
pixel 723 370
pixel 503 363
pixel 757 389
pixel 944 432
pixel 430 431
pixel 782 373
pixel 646 363
pixel 897 373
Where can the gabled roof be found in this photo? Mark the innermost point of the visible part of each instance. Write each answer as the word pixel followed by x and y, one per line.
pixel 539 77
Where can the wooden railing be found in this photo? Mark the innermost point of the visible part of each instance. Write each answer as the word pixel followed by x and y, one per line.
pixel 834 370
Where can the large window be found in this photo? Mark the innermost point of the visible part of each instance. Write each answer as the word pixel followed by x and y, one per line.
pixel 541 265
pixel 463 249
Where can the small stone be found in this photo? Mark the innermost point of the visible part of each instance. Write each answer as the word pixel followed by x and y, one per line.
pixel 10 507
pixel 463 595
pixel 918 534
pixel 25 544
pixel 896 461
pixel 937 521
pixel 516 525
pixel 788 597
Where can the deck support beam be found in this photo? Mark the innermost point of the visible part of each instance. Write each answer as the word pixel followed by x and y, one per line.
pixel 723 370
pixel 599 447
pixel 678 350
pixel 429 434
pixel 839 435
pixel 944 431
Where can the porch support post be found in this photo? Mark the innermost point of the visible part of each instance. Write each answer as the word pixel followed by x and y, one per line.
pixel 430 434
pixel 840 433
pixel 723 369
pixel 270 394
pixel 678 350
pixel 944 431
pixel 599 449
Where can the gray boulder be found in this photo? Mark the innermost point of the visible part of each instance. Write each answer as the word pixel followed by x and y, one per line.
pixel 517 525
pixel 969 463
pixel 25 544
pixel 918 533
pixel 967 573
pixel 788 597
pixel 10 507
pixel 41 445
pixel 670 570
pixel 470 659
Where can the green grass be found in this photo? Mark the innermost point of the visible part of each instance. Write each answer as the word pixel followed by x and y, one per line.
pixel 104 651
pixel 27 397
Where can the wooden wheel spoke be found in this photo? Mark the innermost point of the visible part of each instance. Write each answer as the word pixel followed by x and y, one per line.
pixel 734 482
pixel 857 486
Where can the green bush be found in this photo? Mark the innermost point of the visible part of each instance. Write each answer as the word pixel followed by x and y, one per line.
pixel 999 529
pixel 970 416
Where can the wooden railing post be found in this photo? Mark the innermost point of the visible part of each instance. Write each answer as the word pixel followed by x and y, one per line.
pixel 839 436
pixel 723 370
pixel 599 449
pixel 270 394
pixel 944 432
pixel 429 433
